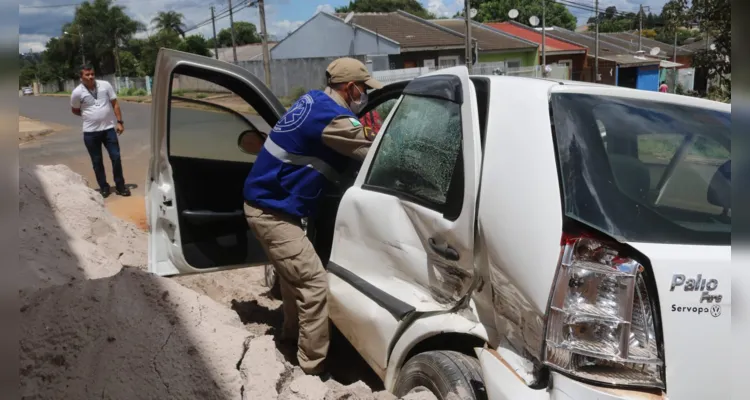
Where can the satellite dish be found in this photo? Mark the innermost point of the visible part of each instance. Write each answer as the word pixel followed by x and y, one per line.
pixel 534 20
pixel 349 17
pixel 654 51
pixel 472 13
pixel 712 46
pixel 513 13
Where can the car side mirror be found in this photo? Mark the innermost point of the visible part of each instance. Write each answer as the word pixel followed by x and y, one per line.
pixel 251 141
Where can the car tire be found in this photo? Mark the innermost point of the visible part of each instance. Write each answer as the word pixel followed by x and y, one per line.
pixel 447 374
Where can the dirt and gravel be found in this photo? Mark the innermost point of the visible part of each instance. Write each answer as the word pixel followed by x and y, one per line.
pixel 95 324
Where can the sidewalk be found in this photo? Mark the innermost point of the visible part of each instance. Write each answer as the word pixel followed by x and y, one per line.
pixel 29 129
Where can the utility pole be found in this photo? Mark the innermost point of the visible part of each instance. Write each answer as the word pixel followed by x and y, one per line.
pixel 596 46
pixel 117 53
pixel 544 38
pixel 467 15
pixel 640 28
pixel 231 24
pixel 264 39
pixel 674 59
pixel 213 25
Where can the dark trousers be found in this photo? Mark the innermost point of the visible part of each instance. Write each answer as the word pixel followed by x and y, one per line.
pixel 94 142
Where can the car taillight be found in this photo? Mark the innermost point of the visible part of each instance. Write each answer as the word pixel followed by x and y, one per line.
pixel 601 325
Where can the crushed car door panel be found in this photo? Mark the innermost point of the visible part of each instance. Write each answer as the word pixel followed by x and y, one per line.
pixel 197 168
pixel 406 227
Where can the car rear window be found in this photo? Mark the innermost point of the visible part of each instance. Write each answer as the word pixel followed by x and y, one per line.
pixel 645 171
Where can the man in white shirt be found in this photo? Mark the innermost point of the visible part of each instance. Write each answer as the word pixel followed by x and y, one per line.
pixel 96 102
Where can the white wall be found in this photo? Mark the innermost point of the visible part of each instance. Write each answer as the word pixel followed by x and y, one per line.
pixel 327 36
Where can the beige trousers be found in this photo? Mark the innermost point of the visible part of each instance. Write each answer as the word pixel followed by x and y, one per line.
pixel 303 280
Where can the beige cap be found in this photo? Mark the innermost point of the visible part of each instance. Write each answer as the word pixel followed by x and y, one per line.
pixel 348 69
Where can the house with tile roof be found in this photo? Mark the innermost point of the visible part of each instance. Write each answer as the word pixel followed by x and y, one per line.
pixel 327 35
pixel 248 52
pixel 495 45
pixel 558 51
pixel 422 43
pixel 617 64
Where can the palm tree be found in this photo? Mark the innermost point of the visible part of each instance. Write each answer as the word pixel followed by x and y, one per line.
pixel 169 20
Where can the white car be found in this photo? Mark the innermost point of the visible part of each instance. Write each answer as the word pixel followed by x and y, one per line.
pixel 505 238
pixel 27 91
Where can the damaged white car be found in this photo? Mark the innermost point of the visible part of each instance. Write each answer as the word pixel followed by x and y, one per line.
pixel 505 238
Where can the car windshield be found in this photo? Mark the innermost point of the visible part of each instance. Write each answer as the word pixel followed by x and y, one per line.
pixel 645 171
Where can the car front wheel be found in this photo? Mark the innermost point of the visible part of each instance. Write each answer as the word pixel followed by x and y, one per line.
pixel 447 374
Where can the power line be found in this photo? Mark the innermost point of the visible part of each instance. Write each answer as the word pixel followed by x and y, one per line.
pixel 223 14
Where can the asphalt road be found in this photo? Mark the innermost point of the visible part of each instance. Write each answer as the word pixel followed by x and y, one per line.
pixel 210 131
pixel 201 134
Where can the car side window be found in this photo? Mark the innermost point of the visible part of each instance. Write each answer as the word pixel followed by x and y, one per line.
pixel 419 154
pixel 206 121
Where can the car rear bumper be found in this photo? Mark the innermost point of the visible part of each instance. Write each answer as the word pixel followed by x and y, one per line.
pixel 503 383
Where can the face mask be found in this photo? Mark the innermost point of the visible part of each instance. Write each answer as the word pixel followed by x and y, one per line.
pixel 359 105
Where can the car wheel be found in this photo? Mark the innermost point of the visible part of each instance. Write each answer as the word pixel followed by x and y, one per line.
pixel 447 374
pixel 272 282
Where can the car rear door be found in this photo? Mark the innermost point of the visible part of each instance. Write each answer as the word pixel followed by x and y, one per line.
pixel 194 203
pixel 404 237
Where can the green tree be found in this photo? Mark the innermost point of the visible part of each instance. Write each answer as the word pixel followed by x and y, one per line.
pixel 411 6
pixel 714 20
pixel 150 49
pixel 102 27
pixel 169 20
pixel 244 33
pixel 195 44
pixel 129 64
pixel 497 10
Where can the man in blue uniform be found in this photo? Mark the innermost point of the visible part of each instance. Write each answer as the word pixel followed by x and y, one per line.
pixel 306 151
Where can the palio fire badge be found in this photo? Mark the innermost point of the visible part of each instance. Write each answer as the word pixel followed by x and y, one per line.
pixel 708 300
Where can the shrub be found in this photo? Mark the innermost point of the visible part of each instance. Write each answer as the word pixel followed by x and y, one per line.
pixel 201 96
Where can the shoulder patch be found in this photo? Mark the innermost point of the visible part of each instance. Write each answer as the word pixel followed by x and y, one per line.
pixel 355 122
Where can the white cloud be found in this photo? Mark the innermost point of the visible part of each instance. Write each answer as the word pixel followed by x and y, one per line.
pixel 444 8
pixel 281 28
pixel 325 8
pixel 35 43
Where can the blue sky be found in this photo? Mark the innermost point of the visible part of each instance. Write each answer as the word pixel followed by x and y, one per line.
pixel 38 25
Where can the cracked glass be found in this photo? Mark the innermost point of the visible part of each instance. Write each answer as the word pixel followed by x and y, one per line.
pixel 418 153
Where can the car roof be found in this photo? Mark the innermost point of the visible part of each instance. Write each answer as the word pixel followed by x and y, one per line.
pixel 561 85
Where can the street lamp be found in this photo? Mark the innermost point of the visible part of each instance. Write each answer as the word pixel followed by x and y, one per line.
pixel 80 35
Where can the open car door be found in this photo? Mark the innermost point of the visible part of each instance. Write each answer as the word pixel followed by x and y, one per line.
pixel 403 243
pixel 202 150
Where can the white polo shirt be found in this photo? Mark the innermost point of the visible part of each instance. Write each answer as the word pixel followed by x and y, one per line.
pixel 96 106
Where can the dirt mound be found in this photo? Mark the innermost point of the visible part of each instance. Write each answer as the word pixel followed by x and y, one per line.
pixel 66 233
pixel 93 327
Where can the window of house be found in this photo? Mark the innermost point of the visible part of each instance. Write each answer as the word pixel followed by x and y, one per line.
pixel 419 152
pixel 510 64
pixel 448 61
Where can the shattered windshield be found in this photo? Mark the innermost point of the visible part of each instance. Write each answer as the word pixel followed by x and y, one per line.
pixel 645 171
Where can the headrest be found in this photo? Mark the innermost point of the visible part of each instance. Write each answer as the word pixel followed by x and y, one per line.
pixel 719 190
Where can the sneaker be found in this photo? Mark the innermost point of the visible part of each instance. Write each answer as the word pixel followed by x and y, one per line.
pixel 105 192
pixel 123 192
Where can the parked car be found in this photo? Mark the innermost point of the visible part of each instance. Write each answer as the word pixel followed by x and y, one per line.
pixel 505 238
pixel 27 91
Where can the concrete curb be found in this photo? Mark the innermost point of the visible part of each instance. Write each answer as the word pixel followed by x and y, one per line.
pixel 28 136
